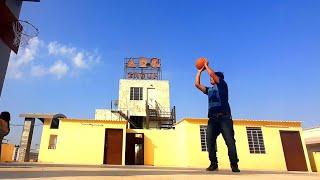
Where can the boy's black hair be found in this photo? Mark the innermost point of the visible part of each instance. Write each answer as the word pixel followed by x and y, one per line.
pixel 220 75
pixel 5 116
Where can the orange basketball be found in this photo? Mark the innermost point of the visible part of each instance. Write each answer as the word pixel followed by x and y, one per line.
pixel 200 62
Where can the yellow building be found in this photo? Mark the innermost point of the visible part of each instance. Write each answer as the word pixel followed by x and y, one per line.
pixel 76 141
pixel 262 145
pixel 7 152
pixel 312 139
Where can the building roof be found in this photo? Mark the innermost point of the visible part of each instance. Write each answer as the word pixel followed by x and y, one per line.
pixel 313 140
pixel 312 128
pixel 42 116
pixel 269 122
pixel 58 117
pixel 94 120
pixel 38 115
pixel 312 135
pixel 145 80
pixel 276 121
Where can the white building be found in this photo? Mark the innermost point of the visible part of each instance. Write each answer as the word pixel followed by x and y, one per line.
pixel 144 99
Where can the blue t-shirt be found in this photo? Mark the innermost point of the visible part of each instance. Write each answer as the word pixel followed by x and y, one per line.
pixel 218 98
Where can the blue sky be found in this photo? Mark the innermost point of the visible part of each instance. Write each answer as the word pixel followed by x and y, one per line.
pixel 268 50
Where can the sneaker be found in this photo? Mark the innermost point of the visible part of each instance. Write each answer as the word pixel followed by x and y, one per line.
pixel 213 167
pixel 235 168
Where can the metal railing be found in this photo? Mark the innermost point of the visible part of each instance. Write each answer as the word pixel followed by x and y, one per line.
pixel 166 116
pixel 162 111
pixel 123 112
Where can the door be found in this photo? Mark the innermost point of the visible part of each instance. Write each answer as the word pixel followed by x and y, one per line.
pixel 113 146
pixel 151 97
pixel 134 149
pixel 293 151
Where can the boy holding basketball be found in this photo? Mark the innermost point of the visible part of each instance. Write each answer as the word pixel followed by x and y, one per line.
pixel 219 114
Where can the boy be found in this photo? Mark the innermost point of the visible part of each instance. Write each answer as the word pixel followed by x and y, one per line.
pixel 220 120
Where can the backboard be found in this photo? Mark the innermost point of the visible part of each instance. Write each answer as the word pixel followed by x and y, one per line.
pixel 6 31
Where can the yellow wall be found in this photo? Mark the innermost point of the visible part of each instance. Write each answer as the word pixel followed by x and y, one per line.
pixel 272 160
pixel 7 151
pixel 316 156
pixel 315 161
pixel 159 146
pixel 182 147
pixel 138 108
pixel 82 142
pixel 78 141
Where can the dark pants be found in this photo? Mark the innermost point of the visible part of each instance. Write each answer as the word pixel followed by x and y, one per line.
pixel 223 125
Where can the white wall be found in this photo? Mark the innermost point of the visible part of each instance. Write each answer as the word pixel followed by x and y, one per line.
pixel 137 107
pixel 312 136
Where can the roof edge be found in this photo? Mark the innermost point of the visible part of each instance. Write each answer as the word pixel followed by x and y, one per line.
pixel 94 120
pixel 243 120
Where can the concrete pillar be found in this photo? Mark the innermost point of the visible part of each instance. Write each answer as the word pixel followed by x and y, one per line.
pixel 26 139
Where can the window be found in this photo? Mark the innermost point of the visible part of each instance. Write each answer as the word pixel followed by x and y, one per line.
pixel 203 135
pixel 136 93
pixel 52 142
pixel 255 139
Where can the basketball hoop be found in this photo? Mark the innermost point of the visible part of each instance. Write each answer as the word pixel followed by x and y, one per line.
pixel 23 32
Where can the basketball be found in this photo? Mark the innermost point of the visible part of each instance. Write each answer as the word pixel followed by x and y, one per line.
pixel 200 62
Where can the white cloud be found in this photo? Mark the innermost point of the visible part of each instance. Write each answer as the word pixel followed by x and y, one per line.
pixel 55 48
pixel 35 58
pixel 79 61
pixel 59 69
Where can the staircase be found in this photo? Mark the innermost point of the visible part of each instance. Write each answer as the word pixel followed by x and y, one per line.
pixel 124 116
pixel 153 113
pixel 165 118
pixel 115 109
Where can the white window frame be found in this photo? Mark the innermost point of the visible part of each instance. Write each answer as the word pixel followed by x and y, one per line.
pixel 255 140
pixel 203 138
pixel 136 93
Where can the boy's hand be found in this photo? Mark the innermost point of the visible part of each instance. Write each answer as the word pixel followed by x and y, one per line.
pixel 206 64
pixel 202 69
